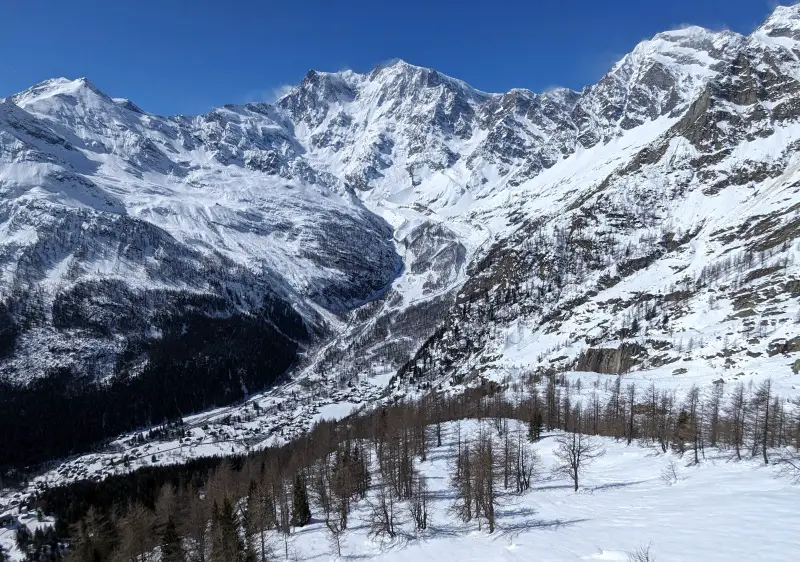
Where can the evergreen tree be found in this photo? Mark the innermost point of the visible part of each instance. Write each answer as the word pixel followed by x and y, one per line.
pixel 535 427
pixel 171 547
pixel 92 541
pixel 301 513
pixel 24 538
pixel 251 521
pixel 227 544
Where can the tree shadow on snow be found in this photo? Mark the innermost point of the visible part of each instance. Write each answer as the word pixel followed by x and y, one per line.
pixel 517 527
pixel 442 495
pixel 446 530
pixel 587 489
pixel 613 485
pixel 548 487
pixel 515 511
pixel 445 455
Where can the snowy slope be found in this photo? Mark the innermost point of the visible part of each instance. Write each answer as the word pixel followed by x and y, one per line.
pixel 718 510
pixel 623 505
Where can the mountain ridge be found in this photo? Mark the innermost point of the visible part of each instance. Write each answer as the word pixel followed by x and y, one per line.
pixel 393 222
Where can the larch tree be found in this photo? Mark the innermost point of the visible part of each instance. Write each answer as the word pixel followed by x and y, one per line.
pixel 762 399
pixel 575 452
pixel 418 505
pixel 737 412
pixel 631 390
pixel 195 524
pixel 136 533
pixel 383 517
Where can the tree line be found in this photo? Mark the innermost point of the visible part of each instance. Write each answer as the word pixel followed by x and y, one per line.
pixel 246 508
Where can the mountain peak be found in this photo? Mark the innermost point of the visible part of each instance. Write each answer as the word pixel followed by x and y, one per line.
pixel 422 76
pixel 79 87
pixel 690 49
pixel 785 13
pixel 784 22
pixel 693 32
pixel 689 40
pixel 397 64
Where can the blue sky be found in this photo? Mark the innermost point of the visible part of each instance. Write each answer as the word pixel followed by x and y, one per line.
pixel 176 56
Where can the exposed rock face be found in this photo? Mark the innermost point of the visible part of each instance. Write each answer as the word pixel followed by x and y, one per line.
pixel 611 361
pixel 785 346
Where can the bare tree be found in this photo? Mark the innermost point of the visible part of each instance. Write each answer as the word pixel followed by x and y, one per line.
pixel 462 481
pixel 665 419
pixel 651 421
pixel 690 423
pixel 641 554
pixel 259 518
pixel 222 484
pixel 737 413
pixel 575 453
pixel 335 532
pixel 762 401
pixel 475 476
pixel 92 537
pixel 327 486
pixel 418 505
pixel 195 524
pixel 789 463
pixel 281 493
pixel 321 487
pixel 713 407
pixel 166 505
pixel 486 476
pixel 670 473
pixel 527 466
pixel 631 389
pixel 508 454
pixel 382 523
pixel 136 534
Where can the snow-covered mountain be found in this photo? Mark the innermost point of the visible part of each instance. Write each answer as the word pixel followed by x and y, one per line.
pixel 671 249
pixel 401 222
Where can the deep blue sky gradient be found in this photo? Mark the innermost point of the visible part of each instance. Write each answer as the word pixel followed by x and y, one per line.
pixel 176 56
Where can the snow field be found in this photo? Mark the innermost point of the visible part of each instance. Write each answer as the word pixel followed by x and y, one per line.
pixel 719 510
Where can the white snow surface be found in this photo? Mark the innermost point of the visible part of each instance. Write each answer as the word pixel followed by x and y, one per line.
pixel 715 512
